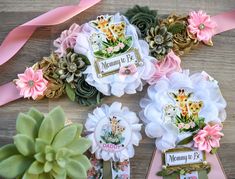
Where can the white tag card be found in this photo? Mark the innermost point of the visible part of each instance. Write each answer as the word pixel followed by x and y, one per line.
pixel 183 157
pixel 105 67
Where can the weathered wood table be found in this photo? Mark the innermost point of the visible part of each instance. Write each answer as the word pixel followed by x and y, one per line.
pixel 218 61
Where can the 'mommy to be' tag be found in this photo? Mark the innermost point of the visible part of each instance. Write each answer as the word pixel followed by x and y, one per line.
pixel 113 46
pixel 183 157
pixel 185 163
pixel 109 66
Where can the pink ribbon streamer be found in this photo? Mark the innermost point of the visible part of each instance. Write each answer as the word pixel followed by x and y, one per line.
pixel 225 21
pixel 16 39
pixel 8 93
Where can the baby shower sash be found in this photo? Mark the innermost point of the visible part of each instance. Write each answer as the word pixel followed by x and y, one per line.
pixel 16 39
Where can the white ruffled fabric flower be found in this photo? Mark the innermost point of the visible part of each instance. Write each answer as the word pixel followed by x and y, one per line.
pixel 113 131
pixel 202 88
pixel 115 84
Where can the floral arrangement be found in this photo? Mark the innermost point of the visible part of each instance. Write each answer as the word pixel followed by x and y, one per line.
pixel 45 147
pixel 174 32
pixel 83 63
pixel 184 109
pixel 116 55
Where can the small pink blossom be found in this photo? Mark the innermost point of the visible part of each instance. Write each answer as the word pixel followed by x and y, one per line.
pixel 181 125
pixel 186 126
pixel 110 49
pixel 67 39
pixel 192 124
pixel 170 64
pixel 121 45
pixel 201 25
pixel 116 48
pixel 129 70
pixel 208 137
pixel 31 83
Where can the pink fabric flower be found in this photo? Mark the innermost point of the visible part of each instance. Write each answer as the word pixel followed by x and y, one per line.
pixel 116 48
pixel 121 45
pixel 208 137
pixel 201 25
pixel 67 39
pixel 129 70
pixel 192 124
pixel 186 126
pixel 31 83
pixel 181 125
pixel 170 64
pixel 110 49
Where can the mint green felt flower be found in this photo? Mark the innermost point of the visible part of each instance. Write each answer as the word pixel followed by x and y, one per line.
pixel 45 148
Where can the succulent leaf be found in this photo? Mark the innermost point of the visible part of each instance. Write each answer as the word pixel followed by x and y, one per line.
pixel 36 168
pixel 65 136
pixel 75 169
pixel 47 130
pixel 80 145
pixel 45 176
pixel 40 145
pixel 36 115
pixel 40 157
pixel 29 176
pixel 25 124
pixel 24 144
pixel 48 166
pixel 58 117
pixel 7 151
pixel 83 160
pixel 60 176
pixel 58 170
pixel 14 166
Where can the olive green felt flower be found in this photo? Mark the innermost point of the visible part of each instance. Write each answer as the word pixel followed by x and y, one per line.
pixel 44 148
pixel 142 17
pixel 86 94
pixel 71 67
pixel 160 41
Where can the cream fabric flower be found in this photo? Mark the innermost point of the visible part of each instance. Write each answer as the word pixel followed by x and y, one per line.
pixel 113 131
pixel 116 84
pixel 159 108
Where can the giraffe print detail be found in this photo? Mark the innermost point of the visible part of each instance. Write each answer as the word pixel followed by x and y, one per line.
pixel 182 99
pixel 103 24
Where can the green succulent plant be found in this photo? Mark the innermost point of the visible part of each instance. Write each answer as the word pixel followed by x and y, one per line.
pixel 45 148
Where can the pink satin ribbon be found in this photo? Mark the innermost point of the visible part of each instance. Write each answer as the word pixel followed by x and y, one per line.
pixel 225 21
pixel 16 39
pixel 20 35
pixel 8 93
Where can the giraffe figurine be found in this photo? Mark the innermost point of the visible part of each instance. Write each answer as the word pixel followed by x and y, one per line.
pixel 102 23
pixel 182 99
